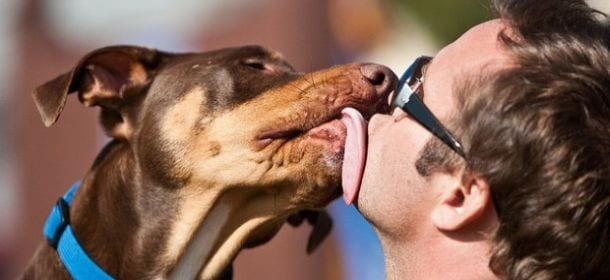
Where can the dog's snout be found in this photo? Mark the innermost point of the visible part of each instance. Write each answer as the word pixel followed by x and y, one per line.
pixel 381 77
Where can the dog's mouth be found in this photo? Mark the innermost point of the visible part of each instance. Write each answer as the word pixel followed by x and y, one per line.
pixel 327 128
pixel 363 87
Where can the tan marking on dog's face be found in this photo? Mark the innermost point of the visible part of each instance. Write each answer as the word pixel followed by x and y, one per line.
pixel 237 163
pixel 230 162
pixel 183 130
pixel 181 119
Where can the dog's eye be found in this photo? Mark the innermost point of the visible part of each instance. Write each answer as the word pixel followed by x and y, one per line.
pixel 257 65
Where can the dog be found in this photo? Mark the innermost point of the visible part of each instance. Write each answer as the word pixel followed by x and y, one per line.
pixel 210 153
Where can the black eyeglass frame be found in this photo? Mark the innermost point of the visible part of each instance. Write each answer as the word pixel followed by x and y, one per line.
pixel 410 103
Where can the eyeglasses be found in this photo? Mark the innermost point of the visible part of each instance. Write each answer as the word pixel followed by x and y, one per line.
pixel 406 98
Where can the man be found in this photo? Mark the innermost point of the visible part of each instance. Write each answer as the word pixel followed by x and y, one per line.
pixel 517 184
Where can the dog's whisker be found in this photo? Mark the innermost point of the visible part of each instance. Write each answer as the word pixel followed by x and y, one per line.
pixel 313 81
pixel 309 83
pixel 324 79
pixel 302 91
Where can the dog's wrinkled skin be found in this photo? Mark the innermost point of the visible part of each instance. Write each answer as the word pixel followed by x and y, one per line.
pixel 211 152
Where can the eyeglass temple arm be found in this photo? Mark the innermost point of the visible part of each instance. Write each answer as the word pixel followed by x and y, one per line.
pixel 419 112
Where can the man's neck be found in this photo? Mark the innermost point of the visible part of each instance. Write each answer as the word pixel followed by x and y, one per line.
pixel 434 257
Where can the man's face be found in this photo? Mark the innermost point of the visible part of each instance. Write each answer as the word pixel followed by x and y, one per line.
pixel 393 196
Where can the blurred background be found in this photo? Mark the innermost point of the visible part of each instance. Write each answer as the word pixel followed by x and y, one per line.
pixel 42 39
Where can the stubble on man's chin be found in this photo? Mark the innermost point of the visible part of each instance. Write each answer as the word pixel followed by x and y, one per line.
pixel 363 204
pixel 371 212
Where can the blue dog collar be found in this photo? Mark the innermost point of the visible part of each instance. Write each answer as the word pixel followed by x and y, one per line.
pixel 59 234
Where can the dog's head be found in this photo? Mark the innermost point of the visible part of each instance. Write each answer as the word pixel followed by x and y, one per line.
pixel 232 119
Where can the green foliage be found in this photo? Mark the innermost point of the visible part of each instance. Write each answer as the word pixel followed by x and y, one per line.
pixel 447 19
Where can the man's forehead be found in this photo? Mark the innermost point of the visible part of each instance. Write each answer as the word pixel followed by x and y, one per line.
pixel 480 44
pixel 476 52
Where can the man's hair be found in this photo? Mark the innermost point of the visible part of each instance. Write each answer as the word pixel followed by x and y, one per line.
pixel 539 132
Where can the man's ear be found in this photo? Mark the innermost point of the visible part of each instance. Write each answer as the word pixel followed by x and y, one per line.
pixel 462 202
pixel 106 77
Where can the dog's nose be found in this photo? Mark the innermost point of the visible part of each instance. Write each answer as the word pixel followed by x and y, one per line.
pixel 381 77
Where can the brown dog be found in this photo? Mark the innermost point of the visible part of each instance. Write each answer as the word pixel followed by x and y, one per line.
pixel 211 152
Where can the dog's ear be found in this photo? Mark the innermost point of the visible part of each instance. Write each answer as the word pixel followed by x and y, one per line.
pixel 105 77
pixel 322 225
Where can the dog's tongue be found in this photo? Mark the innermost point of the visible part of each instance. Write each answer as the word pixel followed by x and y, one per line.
pixel 354 157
